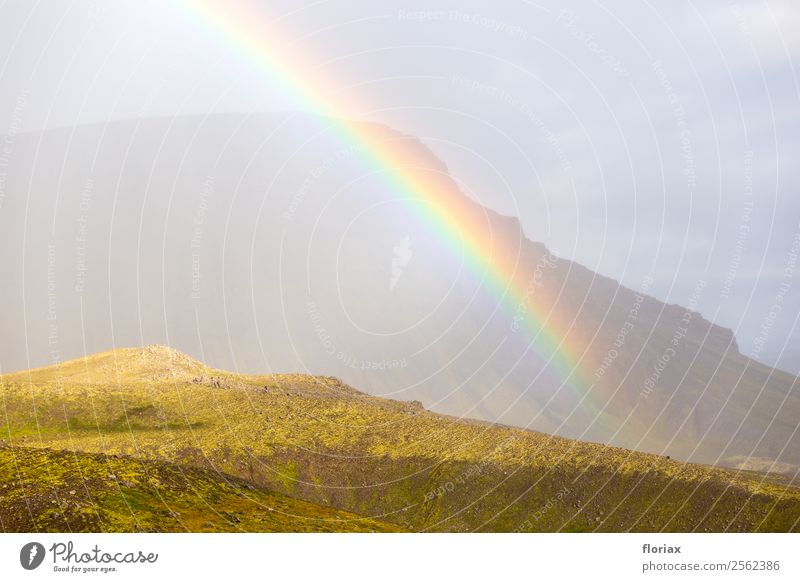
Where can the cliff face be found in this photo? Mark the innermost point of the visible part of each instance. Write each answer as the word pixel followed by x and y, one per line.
pixel 264 244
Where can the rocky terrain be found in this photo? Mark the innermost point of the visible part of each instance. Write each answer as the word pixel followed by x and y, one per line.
pixel 138 433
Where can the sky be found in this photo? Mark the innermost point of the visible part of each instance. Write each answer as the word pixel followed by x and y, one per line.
pixel 640 139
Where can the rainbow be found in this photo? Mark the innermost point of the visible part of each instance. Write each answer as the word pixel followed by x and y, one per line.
pixel 433 200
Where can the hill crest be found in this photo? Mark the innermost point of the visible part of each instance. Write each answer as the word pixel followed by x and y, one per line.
pixel 130 364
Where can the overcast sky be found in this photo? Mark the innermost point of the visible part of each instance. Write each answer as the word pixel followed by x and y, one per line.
pixel 638 138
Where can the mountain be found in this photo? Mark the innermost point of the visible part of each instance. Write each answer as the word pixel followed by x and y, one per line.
pixel 264 243
pixel 206 434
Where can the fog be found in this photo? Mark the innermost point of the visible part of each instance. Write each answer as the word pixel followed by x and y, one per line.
pixel 638 139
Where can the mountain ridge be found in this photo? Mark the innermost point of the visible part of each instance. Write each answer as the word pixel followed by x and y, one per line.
pixel 379 128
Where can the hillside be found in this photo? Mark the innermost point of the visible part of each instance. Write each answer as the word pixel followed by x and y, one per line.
pixel 316 439
pixel 56 491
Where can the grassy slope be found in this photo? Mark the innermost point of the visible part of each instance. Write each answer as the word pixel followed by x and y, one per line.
pixel 45 490
pixel 315 439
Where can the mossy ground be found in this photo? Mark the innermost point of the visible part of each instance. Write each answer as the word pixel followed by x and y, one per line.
pixel 314 438
pixel 45 491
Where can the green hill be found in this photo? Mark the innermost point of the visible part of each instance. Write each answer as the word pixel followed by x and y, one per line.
pixel 315 439
pixel 54 491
